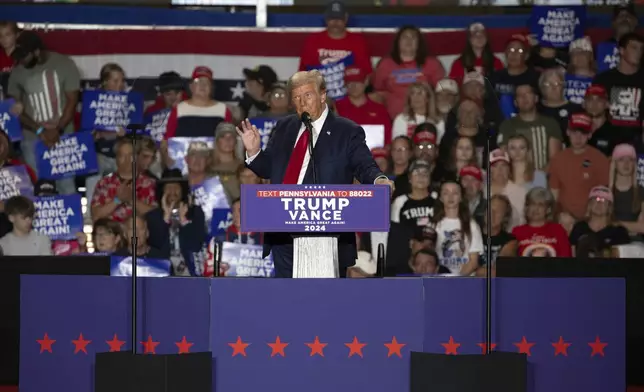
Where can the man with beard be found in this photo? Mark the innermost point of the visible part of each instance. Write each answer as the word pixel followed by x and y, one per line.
pixel 604 135
pixel 624 22
pixel 46 84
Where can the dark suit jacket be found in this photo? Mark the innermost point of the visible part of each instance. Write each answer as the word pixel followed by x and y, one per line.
pixel 340 154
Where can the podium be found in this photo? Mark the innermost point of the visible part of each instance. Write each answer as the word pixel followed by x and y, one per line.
pixel 315 215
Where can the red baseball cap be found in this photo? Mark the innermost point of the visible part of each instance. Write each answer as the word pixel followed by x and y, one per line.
pixel 580 122
pixel 596 90
pixel 520 38
pixel 202 72
pixel 425 137
pixel 379 152
pixel 354 74
pixel 472 171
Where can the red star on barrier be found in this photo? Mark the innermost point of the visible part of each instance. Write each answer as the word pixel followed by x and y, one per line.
pixel 45 343
pixel 483 347
pixel 81 344
pixel 524 347
pixel 115 344
pixel 598 347
pixel 394 347
pixel 317 347
pixel 451 346
pixel 277 347
pixel 239 347
pixel 561 347
pixel 149 346
pixel 355 347
pixel 184 346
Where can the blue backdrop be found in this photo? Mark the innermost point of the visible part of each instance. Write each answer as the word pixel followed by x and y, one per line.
pixel 321 335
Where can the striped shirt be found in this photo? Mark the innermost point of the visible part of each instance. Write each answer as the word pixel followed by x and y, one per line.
pixel 187 120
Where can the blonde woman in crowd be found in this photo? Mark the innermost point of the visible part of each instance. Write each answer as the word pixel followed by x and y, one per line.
pixel 522 170
pixel 627 193
pixel 225 158
pixel 598 225
pixel 420 107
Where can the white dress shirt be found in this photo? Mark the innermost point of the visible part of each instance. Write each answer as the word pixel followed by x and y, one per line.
pixel 317 127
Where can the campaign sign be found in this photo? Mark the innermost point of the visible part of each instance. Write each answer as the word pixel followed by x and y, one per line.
pixel 221 219
pixel 245 260
pixel 15 181
pixel 607 56
pixel 209 195
pixel 557 27
pixel 58 217
pixel 145 267
pixel 9 122
pixel 74 155
pixel 264 126
pixel 178 148
pixel 334 76
pixel 110 110
pixel 156 123
pixel 374 135
pixel 314 208
pixel 640 170
pixel 576 87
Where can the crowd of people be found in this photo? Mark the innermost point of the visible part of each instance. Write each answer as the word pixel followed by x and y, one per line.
pixel 564 175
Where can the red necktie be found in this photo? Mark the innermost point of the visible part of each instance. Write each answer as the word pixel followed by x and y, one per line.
pixel 297 159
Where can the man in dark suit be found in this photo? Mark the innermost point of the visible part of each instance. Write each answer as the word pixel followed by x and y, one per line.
pixel 340 153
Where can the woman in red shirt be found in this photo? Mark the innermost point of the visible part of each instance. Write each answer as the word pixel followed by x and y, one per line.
pixel 477 55
pixel 408 63
pixel 541 236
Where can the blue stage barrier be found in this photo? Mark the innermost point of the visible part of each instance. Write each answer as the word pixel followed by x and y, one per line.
pixel 321 335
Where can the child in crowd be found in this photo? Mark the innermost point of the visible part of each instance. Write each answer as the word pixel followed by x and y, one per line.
pixel 23 240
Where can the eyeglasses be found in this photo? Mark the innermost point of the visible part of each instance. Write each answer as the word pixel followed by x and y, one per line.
pixel 516 50
pixel 278 95
pixel 425 146
pixel 552 84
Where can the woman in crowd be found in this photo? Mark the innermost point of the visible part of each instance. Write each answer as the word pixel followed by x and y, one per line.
pixel 401 154
pixel 407 63
pixel 477 55
pixel 501 185
pixel 554 103
pixel 459 242
pixel 112 78
pixel 541 236
pixel 225 159
pixel 517 72
pixel 522 170
pixel 107 236
pixel 503 243
pixel 628 195
pixel 463 154
pixel 420 108
pixel 581 69
pixel 598 226
pixel 278 104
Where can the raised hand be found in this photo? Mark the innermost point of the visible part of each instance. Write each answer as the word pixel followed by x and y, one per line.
pixel 250 137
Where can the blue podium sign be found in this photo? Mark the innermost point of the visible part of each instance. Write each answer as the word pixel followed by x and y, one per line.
pixel 314 208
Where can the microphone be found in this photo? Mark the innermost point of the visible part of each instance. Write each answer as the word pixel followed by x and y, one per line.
pixel 306 120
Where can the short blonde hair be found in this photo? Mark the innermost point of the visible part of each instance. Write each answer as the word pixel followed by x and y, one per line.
pixel 306 77
pixel 539 194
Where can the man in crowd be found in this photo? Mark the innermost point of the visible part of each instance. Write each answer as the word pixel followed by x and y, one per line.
pixel 358 107
pixel 113 193
pixel 576 170
pixel 625 86
pixel 8 35
pixel 259 81
pixel 46 84
pixel 605 136
pixel 624 22
pixel 171 92
pixel 424 141
pixel 471 179
pixel 143 248
pixel 335 44
pixel 542 132
pixel 415 208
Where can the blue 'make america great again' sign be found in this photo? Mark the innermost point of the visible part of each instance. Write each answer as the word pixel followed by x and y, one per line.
pixel 314 208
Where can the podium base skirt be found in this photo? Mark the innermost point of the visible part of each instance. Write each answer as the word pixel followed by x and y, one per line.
pixel 315 257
